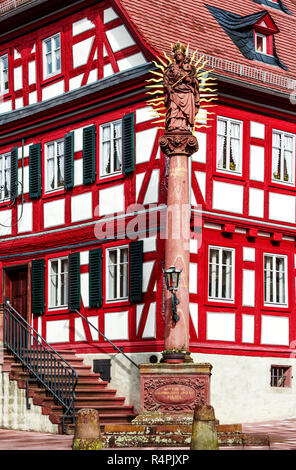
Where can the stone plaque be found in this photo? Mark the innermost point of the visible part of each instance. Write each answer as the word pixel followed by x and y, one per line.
pixel 174 394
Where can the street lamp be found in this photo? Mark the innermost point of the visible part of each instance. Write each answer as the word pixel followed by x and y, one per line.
pixel 172 280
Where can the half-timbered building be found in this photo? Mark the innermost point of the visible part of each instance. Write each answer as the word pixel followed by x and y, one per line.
pixel 83 188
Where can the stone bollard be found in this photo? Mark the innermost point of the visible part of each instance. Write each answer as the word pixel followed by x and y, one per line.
pixel 87 431
pixel 204 432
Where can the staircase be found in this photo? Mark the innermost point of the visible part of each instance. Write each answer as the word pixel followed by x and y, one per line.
pixel 91 392
pixel 57 381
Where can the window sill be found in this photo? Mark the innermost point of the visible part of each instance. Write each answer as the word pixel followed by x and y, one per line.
pixel 282 184
pixel 116 303
pixel 221 303
pixel 276 307
pixel 51 79
pixel 54 194
pixel 228 175
pixel 111 178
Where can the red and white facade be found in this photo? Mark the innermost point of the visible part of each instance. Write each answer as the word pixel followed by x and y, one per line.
pixel 87 67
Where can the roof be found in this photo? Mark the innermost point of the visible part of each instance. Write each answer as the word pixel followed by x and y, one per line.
pixel 190 21
pixel 158 24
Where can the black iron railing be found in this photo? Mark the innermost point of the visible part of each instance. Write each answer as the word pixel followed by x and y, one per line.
pixel 109 341
pixel 45 365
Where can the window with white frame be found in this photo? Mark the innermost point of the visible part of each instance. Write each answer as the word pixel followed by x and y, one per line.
pixel 229 145
pixel 111 148
pixel 275 279
pixel 5 161
pixel 283 157
pixel 261 43
pixel 54 168
pixel 4 86
pixel 221 273
pixel 58 282
pixel 52 56
pixel 117 273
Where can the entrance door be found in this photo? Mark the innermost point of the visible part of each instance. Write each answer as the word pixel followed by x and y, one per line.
pixel 16 289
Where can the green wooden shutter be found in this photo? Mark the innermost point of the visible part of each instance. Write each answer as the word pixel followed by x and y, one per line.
pixel 128 144
pixel 96 278
pixel 38 286
pixel 14 173
pixel 69 160
pixel 89 154
pixel 74 281
pixel 135 271
pixel 35 171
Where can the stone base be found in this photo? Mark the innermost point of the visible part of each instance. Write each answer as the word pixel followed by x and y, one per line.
pixel 174 388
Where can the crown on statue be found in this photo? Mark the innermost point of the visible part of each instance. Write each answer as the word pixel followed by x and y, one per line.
pixel 178 48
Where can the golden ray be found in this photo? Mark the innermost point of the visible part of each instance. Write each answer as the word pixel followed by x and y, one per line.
pixel 208 89
pixel 202 125
pixel 205 100
pixel 154 92
pixel 153 86
pixel 203 95
pixel 199 60
pixel 157 73
pixel 193 56
pixel 158 65
pixel 187 50
pixel 162 61
pixel 155 80
pixel 168 58
pixel 203 73
pixel 159 120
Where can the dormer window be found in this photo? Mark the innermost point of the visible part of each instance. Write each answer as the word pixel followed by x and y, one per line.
pixel 263 35
pixel 252 34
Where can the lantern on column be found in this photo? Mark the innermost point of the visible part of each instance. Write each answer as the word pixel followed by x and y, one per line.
pixel 172 280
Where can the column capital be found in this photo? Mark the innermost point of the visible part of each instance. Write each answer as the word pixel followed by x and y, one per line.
pixel 178 143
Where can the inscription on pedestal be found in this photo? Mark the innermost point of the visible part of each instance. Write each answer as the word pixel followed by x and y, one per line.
pixel 178 394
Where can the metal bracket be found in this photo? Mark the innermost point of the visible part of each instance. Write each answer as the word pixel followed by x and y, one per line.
pixel 175 302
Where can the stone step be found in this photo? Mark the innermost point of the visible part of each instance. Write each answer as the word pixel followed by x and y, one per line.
pixel 120 410
pixel 82 402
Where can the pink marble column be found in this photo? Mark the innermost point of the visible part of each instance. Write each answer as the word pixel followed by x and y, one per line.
pixel 179 147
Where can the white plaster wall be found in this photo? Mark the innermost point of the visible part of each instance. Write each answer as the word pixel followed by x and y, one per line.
pixel 144 144
pixel 51 91
pixel 111 200
pixel 150 325
pixel 119 38
pixel 144 114
pixel 228 197
pixel 201 180
pixel 201 154
pixel 32 72
pixel 81 207
pixel 57 331
pixel 81 52
pixel 248 328
pixel 54 213
pixel 193 309
pixel 18 78
pixel 248 287
pixel 82 25
pixel 257 130
pixel 116 325
pixel 282 207
pixel 5 106
pixel 151 195
pixel 256 163
pixel 13 410
pixel 256 202
pixel 131 61
pixel 25 218
pixel 5 221
pixel 109 15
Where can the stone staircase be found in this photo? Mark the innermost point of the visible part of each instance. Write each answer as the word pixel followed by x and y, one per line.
pixel 91 392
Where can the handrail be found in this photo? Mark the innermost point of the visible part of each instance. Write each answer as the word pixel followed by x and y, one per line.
pixel 105 337
pixel 46 365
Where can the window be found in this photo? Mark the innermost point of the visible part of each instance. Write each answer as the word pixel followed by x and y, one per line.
pixel 280 376
pixel 111 148
pixel 275 279
pixel 4 87
pixel 283 156
pixel 117 273
pixel 52 56
pixel 54 154
pixel 229 145
pixel 58 282
pixel 221 273
pixel 5 161
pixel 261 43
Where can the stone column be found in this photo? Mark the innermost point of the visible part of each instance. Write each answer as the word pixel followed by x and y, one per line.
pixel 179 147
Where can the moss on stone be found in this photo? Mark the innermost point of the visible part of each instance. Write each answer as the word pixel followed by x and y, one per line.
pixel 87 444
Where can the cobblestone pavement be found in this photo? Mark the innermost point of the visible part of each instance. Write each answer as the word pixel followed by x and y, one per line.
pixel 282 437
